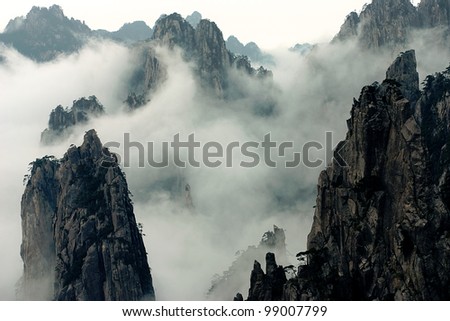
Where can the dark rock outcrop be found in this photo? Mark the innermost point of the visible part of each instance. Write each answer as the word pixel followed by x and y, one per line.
pixel 381 228
pixel 227 285
pixel 267 286
pixel 404 71
pixel 80 239
pixel 390 23
pixel 62 120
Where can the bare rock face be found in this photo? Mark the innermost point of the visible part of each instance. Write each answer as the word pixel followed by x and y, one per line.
pixel 203 45
pixel 80 239
pixel 38 243
pixel 149 75
pixel 434 13
pixel 381 228
pixel 349 29
pixel 390 23
pixel 404 71
pixel 386 23
pixel 267 286
pixel 62 120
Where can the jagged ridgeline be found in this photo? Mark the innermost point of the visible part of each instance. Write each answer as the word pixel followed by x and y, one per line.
pixel 381 225
pixel 80 238
pixel 213 63
pixel 392 23
pixel 62 120
pixel 46 33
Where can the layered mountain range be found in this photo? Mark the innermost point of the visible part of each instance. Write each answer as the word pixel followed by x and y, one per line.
pixel 382 215
pixel 46 33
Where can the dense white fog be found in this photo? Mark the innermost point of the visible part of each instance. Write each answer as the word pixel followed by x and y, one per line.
pixel 233 206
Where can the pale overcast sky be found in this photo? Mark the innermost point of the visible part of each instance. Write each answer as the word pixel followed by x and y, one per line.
pixel 270 23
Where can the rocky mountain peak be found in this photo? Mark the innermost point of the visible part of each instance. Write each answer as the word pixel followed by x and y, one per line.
pixel 349 29
pixel 54 11
pixel 390 23
pixel 267 286
pixel 373 216
pixel 380 229
pixel 404 71
pixel 211 61
pixel 203 45
pixel 80 238
pixel 92 147
pixel 173 29
pixel 45 33
pixel 227 285
pixel 62 120
pixel 393 17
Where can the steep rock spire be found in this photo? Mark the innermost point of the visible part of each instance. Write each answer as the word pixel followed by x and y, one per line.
pixel 80 237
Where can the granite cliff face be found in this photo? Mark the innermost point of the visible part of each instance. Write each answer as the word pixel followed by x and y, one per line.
pixel 80 239
pixel 203 46
pixel 390 23
pixel 62 120
pixel 381 225
pixel 149 75
pixel 434 13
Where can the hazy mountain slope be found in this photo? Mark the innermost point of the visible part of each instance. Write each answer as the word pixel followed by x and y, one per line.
pixel 45 33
